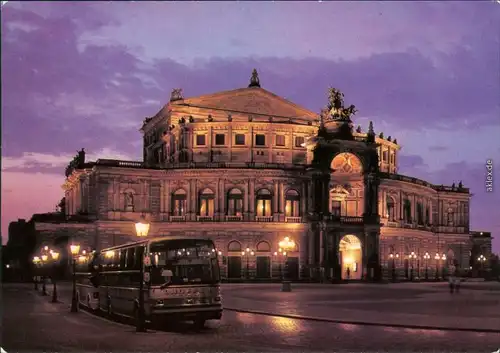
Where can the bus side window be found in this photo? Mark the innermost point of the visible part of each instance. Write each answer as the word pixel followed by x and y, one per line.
pixel 123 259
pixel 138 258
pixel 130 258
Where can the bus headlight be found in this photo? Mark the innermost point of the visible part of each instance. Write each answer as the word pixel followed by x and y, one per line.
pixel 159 302
pixel 217 299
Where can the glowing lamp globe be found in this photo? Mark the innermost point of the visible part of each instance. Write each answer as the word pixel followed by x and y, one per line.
pixel 75 249
pixel 142 229
pixel 55 255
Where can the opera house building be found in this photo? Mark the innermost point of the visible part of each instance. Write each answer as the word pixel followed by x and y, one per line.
pixel 248 169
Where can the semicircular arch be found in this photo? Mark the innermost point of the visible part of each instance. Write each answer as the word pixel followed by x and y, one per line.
pixel 347 163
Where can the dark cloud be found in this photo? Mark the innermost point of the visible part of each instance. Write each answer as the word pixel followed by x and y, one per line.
pixel 408 162
pixel 59 97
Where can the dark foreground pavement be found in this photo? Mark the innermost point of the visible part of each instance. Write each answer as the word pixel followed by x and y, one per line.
pixel 31 323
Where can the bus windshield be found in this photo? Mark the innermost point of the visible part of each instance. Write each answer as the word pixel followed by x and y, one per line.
pixel 183 261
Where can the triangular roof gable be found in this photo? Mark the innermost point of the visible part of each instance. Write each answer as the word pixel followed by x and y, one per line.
pixel 254 100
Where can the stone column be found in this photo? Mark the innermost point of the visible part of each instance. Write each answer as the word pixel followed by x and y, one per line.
pixel 162 198
pixel 276 196
pixel 282 197
pixel 246 199
pixel 251 199
pixel 194 199
pixel 303 199
pixel 223 197
pixel 401 206
pixel 310 248
pixel 168 198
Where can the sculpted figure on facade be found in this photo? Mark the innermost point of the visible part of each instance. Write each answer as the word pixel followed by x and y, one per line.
pixel 129 201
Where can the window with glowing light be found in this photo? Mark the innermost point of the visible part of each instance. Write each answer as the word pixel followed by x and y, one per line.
pixel 235 202
pixel 264 198
pixel 179 203
pixel 206 202
pixel 292 204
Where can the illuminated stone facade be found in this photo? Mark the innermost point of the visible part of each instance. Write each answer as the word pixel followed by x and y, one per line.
pixel 248 168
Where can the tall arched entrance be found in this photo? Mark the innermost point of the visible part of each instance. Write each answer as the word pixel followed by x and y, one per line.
pixel 351 257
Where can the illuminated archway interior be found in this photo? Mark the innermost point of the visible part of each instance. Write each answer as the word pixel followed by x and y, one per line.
pixel 351 257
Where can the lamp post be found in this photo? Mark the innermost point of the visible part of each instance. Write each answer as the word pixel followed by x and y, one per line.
pixel 437 257
pixel 287 245
pixel 142 230
pixel 247 253
pixel 55 257
pixel 44 262
pixel 443 259
pixel 413 256
pixel 75 250
pixel 393 265
pixel 481 258
pixel 426 261
pixel 36 262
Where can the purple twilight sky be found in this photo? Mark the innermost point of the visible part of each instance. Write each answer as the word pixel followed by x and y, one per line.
pixel 85 74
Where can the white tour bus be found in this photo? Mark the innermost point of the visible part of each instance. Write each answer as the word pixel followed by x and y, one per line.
pixel 182 279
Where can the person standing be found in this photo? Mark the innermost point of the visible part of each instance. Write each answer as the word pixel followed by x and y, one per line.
pixel 451 278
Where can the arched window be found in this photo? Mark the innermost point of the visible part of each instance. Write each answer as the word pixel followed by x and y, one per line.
pixel 235 202
pixel 207 201
pixel 234 246
pixel 292 204
pixel 179 203
pixel 264 198
pixel 263 246
pixel 420 213
pixel 407 211
pixel 390 209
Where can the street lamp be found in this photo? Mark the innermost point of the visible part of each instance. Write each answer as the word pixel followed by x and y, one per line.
pixel 426 258
pixel 437 257
pixel 55 257
pixel 44 262
pixel 75 250
pixel 443 259
pixel 287 245
pixel 481 259
pixel 248 253
pixel 36 263
pixel 393 258
pixel 142 230
pixel 413 256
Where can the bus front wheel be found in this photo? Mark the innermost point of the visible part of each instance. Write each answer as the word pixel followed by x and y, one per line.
pixel 199 323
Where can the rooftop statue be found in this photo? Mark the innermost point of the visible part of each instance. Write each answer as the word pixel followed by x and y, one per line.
pixel 336 106
pixel 176 95
pixel 254 80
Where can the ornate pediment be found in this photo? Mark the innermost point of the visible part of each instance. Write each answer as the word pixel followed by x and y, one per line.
pixel 253 100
